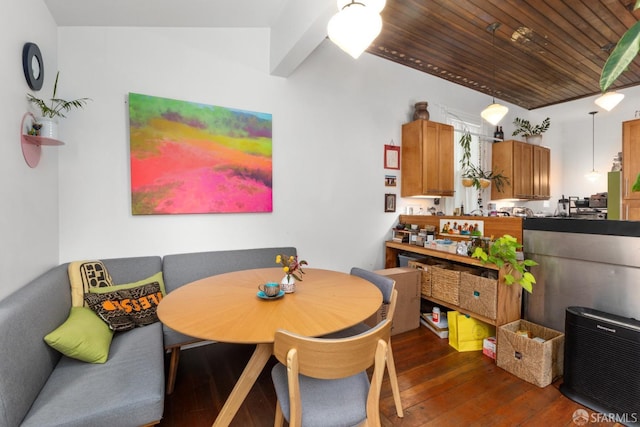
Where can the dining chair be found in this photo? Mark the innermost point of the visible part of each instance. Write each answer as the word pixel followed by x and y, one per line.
pixel 390 297
pixel 324 382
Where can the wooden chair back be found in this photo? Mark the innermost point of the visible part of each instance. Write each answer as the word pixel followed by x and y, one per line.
pixel 332 359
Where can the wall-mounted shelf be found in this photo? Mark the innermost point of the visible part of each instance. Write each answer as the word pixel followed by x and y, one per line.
pixel 32 144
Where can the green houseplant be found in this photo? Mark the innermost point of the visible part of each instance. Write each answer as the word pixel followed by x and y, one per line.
pixel 625 51
pixel 503 253
pixel 473 175
pixel 52 109
pixel 525 128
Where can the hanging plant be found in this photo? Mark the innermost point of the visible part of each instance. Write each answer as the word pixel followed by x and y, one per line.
pixel 473 175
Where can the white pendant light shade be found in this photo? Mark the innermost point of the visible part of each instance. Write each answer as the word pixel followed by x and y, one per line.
pixel 375 5
pixel 494 113
pixel 592 176
pixel 609 100
pixel 354 28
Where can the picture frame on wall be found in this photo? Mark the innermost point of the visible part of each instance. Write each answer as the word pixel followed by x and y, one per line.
pixel 392 157
pixel 389 202
pixel 390 180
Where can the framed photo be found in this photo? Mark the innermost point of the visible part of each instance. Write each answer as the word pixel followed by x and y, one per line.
pixel 389 202
pixel 392 157
pixel 389 180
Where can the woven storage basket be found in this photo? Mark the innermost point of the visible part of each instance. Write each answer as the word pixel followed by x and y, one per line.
pixel 533 361
pixel 445 282
pixel 478 294
pixel 425 276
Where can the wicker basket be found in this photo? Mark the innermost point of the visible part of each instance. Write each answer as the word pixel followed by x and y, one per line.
pixel 536 362
pixel 445 281
pixel 478 294
pixel 425 277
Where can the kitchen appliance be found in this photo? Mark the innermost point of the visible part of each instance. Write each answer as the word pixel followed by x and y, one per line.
pixel 563 207
pixel 598 200
pixel 601 367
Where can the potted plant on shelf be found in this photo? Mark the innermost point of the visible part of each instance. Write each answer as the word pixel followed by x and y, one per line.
pixel 55 108
pixel 532 134
pixel 473 175
pixel 503 253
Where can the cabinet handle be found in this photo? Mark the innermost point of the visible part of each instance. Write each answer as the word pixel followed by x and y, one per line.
pixel 626 188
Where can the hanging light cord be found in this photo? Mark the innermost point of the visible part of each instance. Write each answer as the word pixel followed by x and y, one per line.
pixel 593 139
pixel 493 27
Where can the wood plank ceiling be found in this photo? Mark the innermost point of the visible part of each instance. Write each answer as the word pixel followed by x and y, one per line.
pixel 544 52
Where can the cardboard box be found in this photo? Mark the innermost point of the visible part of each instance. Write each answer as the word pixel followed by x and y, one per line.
pixel 539 363
pixel 407 315
pixel 489 347
pixel 467 333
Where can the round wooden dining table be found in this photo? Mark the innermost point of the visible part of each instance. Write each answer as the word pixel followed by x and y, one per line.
pixel 227 308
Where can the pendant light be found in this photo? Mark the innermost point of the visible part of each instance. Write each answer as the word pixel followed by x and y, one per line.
pixel 356 25
pixel 594 174
pixel 609 100
pixel 494 112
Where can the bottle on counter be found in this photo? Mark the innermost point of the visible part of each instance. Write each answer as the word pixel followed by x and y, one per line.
pixel 461 209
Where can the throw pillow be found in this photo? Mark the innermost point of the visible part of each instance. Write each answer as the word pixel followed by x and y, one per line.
pixel 86 275
pixel 155 278
pixel 83 336
pixel 126 308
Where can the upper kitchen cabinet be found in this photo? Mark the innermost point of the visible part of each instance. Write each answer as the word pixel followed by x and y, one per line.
pixel 527 166
pixel 427 159
pixel 630 169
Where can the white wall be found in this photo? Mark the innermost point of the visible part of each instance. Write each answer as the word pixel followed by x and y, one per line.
pixel 331 119
pixel 29 197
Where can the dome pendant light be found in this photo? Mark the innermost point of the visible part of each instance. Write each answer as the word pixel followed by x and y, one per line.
pixel 609 100
pixel 594 174
pixel 356 25
pixel 494 112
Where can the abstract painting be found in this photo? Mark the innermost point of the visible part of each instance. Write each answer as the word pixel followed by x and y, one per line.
pixel 191 158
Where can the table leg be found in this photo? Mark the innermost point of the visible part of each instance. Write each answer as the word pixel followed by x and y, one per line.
pixel 250 374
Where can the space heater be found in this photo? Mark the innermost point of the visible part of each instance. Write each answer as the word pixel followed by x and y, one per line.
pixel 602 363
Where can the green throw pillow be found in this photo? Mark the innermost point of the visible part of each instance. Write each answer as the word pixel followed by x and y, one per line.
pixel 83 336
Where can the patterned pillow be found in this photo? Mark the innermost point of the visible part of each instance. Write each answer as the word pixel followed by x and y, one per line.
pixel 84 276
pixel 125 309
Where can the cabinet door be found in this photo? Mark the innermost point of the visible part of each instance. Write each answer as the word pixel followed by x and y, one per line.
pixel 427 159
pixel 502 162
pixel 541 169
pixel 445 160
pixel 522 170
pixel 631 210
pixel 630 158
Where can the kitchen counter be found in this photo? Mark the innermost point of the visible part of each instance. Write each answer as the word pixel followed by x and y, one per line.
pixel 584 226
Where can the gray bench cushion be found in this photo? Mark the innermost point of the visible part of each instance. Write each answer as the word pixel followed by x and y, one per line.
pixel 26 361
pixel 180 269
pixel 126 391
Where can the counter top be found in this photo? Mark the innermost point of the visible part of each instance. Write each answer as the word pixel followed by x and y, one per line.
pixel 584 226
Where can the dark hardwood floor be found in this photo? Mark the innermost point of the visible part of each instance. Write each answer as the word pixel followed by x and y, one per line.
pixel 439 387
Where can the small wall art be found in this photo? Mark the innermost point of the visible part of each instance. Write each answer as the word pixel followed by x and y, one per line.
pixel 392 157
pixel 189 158
pixel 390 180
pixel 389 202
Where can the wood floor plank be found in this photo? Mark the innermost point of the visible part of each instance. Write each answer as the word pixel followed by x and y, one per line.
pixel 438 385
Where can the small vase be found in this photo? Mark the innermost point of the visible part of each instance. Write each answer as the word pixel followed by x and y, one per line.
pixel 288 284
pixel 533 139
pixel 421 111
pixel 49 127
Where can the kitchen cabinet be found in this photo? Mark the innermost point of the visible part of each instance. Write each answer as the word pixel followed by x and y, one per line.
pixel 630 169
pixel 527 166
pixel 426 159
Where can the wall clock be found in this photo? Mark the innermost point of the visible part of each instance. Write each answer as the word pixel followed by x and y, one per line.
pixel 32 65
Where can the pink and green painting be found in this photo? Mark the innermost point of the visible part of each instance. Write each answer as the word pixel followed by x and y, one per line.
pixel 189 158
